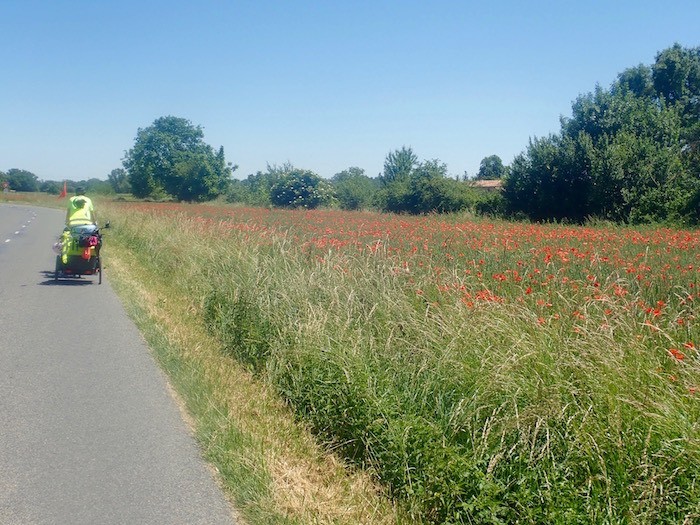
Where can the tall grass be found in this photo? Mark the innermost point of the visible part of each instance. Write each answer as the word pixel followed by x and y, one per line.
pixel 480 371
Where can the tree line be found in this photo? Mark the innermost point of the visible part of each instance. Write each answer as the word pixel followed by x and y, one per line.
pixel 406 185
pixel 171 160
pixel 16 179
pixel 629 153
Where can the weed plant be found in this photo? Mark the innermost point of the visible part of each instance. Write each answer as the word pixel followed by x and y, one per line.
pixel 485 372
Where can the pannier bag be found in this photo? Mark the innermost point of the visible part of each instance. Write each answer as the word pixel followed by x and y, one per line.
pixel 87 240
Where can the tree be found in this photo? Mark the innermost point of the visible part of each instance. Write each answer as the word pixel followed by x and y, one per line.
pixel 676 74
pixel 628 153
pixel 119 180
pixel 432 191
pixel 51 187
pixel 618 159
pixel 354 189
pixel 529 188
pixel 637 80
pixel 93 185
pixel 491 168
pixel 170 157
pixel 301 189
pixel 238 191
pixel 254 190
pixel 198 176
pixel 420 187
pixel 22 180
pixel 398 165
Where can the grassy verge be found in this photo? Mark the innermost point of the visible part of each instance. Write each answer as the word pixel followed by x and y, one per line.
pixel 270 466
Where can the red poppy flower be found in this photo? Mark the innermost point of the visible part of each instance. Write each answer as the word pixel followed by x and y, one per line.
pixel 676 353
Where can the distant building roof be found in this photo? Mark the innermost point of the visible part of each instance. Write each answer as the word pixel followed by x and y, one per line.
pixel 489 184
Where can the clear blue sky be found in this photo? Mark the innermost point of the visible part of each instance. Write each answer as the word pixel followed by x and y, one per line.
pixel 321 84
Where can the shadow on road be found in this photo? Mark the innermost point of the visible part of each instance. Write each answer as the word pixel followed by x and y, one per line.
pixel 65 280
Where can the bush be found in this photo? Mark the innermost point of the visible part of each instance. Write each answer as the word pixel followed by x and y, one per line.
pixel 420 194
pixel 353 189
pixel 490 204
pixel 301 189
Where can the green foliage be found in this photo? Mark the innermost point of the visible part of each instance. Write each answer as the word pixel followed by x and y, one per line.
pixel 491 168
pixel 22 180
pixel 170 157
pixel 637 80
pixel 626 154
pixel 96 186
pixel 51 187
pixel 254 190
pixel 353 189
pixel 301 189
pixel 197 176
pixel 416 187
pixel 398 165
pixel 339 407
pixel 119 181
pixel 490 204
pixel 288 187
pixel 239 192
pixel 551 181
pixel 676 74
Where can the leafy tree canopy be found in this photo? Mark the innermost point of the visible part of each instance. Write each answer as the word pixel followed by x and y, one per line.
pixel 628 153
pixel 254 190
pixel 119 181
pixel 676 76
pixel 353 189
pixel 399 164
pixel 637 80
pixel 51 187
pixel 491 168
pixel 410 186
pixel 22 180
pixel 170 157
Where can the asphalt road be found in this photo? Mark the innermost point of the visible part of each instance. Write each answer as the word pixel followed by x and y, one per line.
pixel 88 431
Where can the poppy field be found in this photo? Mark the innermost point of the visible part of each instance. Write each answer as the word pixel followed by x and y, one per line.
pixel 483 371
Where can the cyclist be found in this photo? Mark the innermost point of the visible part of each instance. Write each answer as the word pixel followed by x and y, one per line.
pixel 80 209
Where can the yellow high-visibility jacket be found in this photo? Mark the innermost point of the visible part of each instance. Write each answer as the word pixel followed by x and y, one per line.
pixel 80 211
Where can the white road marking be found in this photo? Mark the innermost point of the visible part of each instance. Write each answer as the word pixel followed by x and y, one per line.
pixel 22 227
